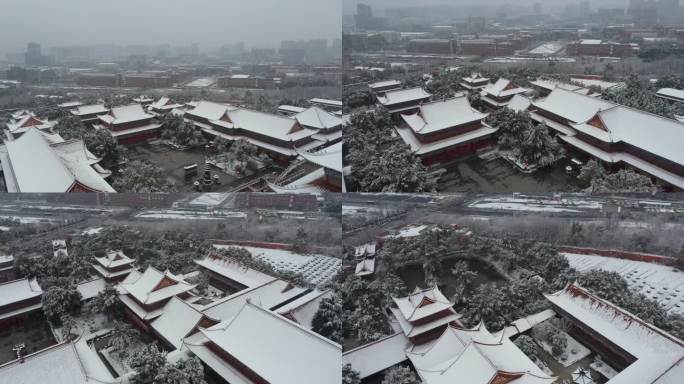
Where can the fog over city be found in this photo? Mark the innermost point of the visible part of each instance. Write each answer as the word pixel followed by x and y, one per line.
pixel 349 6
pixel 178 22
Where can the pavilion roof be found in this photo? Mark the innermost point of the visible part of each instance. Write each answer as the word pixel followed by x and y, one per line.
pixel 153 286
pixel 423 303
pixel 178 320
pixel 329 157
pixel 503 87
pixel 125 114
pixel 442 114
pixel 114 259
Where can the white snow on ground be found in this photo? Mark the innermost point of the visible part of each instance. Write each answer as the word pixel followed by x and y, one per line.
pixel 92 231
pixel 547 48
pixel 589 82
pixel 316 269
pixel 411 231
pixel 535 204
pixel 30 219
pixel 189 215
pixel 661 283
pixel 574 351
pixel 210 199
pixel 4 229
pixel 606 370
pixel 201 82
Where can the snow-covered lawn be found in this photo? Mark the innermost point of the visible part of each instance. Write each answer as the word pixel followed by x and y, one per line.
pixel 189 215
pixel 574 351
pixel 536 204
pixel 661 283
pixel 317 269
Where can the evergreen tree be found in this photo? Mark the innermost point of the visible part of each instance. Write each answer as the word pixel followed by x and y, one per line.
pixel 141 176
pixel 400 375
pixel 328 319
pixel 146 363
pixel 349 375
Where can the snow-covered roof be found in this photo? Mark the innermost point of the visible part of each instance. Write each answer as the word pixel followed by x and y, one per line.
pixel 22 124
pixel 365 267
pixel 267 295
pixel 303 309
pixel 70 104
pixel 36 166
pixel 317 118
pixel 442 114
pixel 154 286
pixel 403 96
pixel 519 103
pixel 502 88
pixel 291 109
pixel 125 114
pixel 114 259
pixel 266 343
pixel 330 157
pixel 178 320
pixel 423 303
pixel 590 41
pixel 266 124
pixel 655 134
pixel 572 106
pixel 165 103
pixel 234 270
pixel 374 357
pixel 484 364
pixel 90 289
pixel 475 78
pixel 90 109
pixel 658 353
pixel 19 290
pixel 420 148
pixel 59 364
pixel 334 103
pixel 551 84
pixel 210 110
pixel 671 94
pixel 385 84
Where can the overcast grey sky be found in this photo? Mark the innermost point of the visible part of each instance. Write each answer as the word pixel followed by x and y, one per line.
pixel 178 22
pixel 350 5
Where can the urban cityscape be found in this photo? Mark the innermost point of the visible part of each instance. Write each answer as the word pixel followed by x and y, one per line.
pixel 342 192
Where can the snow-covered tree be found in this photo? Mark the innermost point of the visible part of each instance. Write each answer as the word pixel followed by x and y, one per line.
pixel 328 319
pixel 141 176
pixel 400 375
pixel 527 345
pixel 108 302
pixel 349 375
pixel 146 363
pixel 121 337
pixel 60 300
pixel 177 130
pixel 378 161
pixel 597 179
pixel 301 241
pixel 188 371
pixel 464 278
pixel 538 147
pixel 368 320
pixel 395 169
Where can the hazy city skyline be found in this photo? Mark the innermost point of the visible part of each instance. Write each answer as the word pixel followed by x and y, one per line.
pixel 175 22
